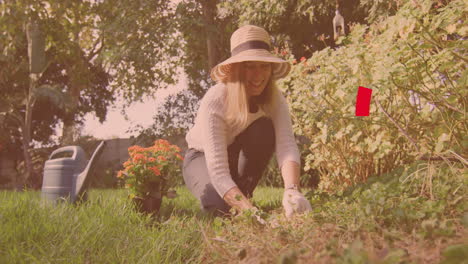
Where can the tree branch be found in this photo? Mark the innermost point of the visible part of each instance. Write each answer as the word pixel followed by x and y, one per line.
pixel 415 145
pixel 438 158
pixel 459 157
pixel 94 52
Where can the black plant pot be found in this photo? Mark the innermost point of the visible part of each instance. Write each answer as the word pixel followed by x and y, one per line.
pixel 149 204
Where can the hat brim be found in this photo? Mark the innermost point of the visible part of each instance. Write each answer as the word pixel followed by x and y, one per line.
pixel 222 71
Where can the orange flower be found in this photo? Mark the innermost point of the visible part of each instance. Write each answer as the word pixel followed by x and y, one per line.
pixel 153 160
pixel 128 185
pixel 155 170
pixel 165 148
pixel 155 148
pixel 135 149
pixel 303 59
pixel 127 169
pixel 176 148
pixel 162 142
pixel 294 61
pixel 139 157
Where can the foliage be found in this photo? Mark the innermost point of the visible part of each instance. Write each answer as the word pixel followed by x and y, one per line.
pixel 93 53
pixel 151 170
pixel 412 215
pixel 71 71
pixel 195 30
pixel 173 118
pixel 378 10
pixel 414 62
pixel 197 23
pixel 140 45
pixel 40 101
pixel 302 26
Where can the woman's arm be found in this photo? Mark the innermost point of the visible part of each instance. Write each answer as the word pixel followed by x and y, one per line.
pixel 286 148
pixel 290 172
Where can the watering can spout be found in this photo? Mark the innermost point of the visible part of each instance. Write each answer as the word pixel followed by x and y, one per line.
pixel 82 179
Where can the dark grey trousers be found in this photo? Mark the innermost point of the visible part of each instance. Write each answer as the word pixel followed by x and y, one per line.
pixel 248 157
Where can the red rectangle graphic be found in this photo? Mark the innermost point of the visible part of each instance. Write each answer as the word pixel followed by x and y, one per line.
pixel 363 101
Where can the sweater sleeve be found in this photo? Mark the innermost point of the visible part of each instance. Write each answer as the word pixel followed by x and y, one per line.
pixel 286 147
pixel 215 145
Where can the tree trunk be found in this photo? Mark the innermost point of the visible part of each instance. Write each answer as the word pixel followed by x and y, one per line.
pixel 27 160
pixel 68 132
pixel 69 129
pixel 26 134
pixel 68 135
pixel 209 14
pixel 76 70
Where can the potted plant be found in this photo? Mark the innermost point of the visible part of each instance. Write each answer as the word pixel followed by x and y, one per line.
pixel 149 174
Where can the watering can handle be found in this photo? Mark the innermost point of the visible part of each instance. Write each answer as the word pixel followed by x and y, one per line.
pixel 82 179
pixel 65 149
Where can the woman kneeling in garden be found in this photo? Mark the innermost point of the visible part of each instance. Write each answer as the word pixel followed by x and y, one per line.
pixel 240 122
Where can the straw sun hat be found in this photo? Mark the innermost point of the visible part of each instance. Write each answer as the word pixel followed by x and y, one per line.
pixel 250 43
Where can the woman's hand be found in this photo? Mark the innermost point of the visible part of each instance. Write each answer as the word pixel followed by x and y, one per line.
pixel 237 200
pixel 295 202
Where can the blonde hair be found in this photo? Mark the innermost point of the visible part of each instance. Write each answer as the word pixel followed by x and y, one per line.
pixel 237 104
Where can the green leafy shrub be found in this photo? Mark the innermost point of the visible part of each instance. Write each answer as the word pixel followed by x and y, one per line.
pixel 415 62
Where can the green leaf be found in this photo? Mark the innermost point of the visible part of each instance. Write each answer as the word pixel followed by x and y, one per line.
pixel 440 142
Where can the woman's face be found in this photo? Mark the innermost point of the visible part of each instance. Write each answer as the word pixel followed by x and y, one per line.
pixel 256 75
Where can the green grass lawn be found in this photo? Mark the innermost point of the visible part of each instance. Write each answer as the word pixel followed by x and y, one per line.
pixel 106 229
pixel 374 223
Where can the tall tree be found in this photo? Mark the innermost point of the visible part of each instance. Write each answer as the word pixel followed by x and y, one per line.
pixel 42 107
pixel 133 42
pixel 95 50
pixel 209 15
pixel 141 45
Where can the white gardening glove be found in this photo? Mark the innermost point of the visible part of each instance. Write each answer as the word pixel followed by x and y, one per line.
pixel 295 202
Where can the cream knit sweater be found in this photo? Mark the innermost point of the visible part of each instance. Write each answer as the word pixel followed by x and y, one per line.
pixel 212 135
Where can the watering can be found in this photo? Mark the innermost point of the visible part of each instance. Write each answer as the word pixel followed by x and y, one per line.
pixel 66 178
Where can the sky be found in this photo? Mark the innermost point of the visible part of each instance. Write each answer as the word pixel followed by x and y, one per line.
pixel 140 113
